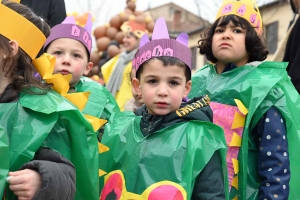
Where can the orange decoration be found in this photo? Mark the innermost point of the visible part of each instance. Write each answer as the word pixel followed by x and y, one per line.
pixel 102 43
pixel 150 26
pixel 111 32
pixel 113 50
pixel 100 31
pixel 115 22
pixel 131 5
pixel 119 37
pixel 140 19
pixel 128 11
pixel 95 57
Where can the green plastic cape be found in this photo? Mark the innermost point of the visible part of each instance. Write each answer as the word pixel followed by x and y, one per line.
pixel 175 154
pixel 100 102
pixel 258 88
pixel 50 121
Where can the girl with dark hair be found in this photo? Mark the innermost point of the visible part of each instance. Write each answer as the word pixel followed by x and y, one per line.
pixel 255 103
pixel 43 137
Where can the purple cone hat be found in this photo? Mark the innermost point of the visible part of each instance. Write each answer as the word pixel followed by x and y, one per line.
pixel 69 29
pixel 162 45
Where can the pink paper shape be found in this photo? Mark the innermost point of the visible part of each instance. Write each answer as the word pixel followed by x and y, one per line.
pixel 223 116
pixel 242 10
pixel 75 31
pixel 165 192
pixel 253 18
pixel 227 8
pixel 112 185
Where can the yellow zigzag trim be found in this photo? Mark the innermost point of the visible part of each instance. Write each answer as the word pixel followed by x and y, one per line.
pixel 45 66
pixel 236 140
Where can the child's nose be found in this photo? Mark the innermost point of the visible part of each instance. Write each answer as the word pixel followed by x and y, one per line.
pixel 66 59
pixel 162 91
pixel 226 35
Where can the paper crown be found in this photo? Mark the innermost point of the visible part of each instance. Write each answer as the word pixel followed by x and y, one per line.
pixel 162 45
pixel 246 9
pixel 138 29
pixel 69 29
pixel 16 27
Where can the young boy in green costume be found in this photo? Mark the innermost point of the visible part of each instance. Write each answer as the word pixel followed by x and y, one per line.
pixel 170 149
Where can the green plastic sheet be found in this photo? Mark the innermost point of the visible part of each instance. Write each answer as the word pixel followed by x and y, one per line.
pixel 258 88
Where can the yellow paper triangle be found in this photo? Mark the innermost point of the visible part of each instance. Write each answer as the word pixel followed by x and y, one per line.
pixel 238 121
pixel 96 122
pixel 235 182
pixel 79 99
pixel 102 148
pixel 235 163
pixel 241 107
pixel 235 198
pixel 236 140
pixel 101 172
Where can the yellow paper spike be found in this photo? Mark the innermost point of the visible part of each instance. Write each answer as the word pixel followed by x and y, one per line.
pixel 235 163
pixel 101 172
pixel 235 182
pixel 96 122
pixel 102 148
pixel 17 1
pixel 238 120
pixel 16 27
pixel 235 198
pixel 60 83
pixel 44 65
pixel 236 140
pixel 241 107
pixel 79 99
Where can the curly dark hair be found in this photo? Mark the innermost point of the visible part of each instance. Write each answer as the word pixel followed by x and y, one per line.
pixel 19 68
pixel 255 45
pixel 166 60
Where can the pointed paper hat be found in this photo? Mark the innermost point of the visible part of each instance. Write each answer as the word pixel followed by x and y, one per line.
pixel 246 9
pixel 69 29
pixel 162 45
pixel 138 29
pixel 16 27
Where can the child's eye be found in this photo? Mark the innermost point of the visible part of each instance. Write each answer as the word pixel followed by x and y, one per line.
pixel 57 52
pixel 237 31
pixel 77 55
pixel 152 81
pixel 174 83
pixel 219 30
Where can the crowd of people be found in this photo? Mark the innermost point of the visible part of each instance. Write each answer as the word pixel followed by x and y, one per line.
pixel 155 130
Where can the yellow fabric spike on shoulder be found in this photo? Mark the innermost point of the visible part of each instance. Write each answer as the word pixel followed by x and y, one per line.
pixel 45 66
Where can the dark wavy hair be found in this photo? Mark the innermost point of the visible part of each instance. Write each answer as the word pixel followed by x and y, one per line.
pixel 166 60
pixel 255 45
pixel 19 68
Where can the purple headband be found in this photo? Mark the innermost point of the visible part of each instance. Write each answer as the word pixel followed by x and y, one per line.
pixel 69 29
pixel 162 45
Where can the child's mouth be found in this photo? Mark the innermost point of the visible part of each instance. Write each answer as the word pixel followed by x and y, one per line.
pixel 64 72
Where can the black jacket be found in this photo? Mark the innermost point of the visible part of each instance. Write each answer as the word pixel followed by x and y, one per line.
pixel 57 173
pixel 210 182
pixel 53 11
pixel 292 55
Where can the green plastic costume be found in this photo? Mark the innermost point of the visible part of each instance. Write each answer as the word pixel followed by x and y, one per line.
pixel 100 102
pixel 258 88
pixel 48 120
pixel 165 162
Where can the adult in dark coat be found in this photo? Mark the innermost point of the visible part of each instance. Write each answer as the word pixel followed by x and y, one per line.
pixel 54 11
pixel 292 51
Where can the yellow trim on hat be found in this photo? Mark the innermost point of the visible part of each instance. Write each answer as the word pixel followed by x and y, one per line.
pixel 16 27
pixel 246 9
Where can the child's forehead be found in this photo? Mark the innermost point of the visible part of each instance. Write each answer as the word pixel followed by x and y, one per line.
pixel 67 43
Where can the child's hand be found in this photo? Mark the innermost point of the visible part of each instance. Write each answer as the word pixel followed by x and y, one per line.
pixel 25 183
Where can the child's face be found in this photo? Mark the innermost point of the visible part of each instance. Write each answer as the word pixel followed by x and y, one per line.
pixel 228 44
pixel 130 42
pixel 162 87
pixel 71 58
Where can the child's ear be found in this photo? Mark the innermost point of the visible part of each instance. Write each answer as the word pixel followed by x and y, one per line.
pixel 88 68
pixel 136 85
pixel 188 87
pixel 14 46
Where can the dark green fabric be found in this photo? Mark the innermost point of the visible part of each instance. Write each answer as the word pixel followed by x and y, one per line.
pixel 177 153
pixel 51 121
pixel 259 88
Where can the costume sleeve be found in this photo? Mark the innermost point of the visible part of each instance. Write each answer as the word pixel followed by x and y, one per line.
pixel 210 182
pixel 57 173
pixel 273 156
pixel 57 12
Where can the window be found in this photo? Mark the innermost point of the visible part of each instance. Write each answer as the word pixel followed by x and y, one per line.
pixel 272 36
